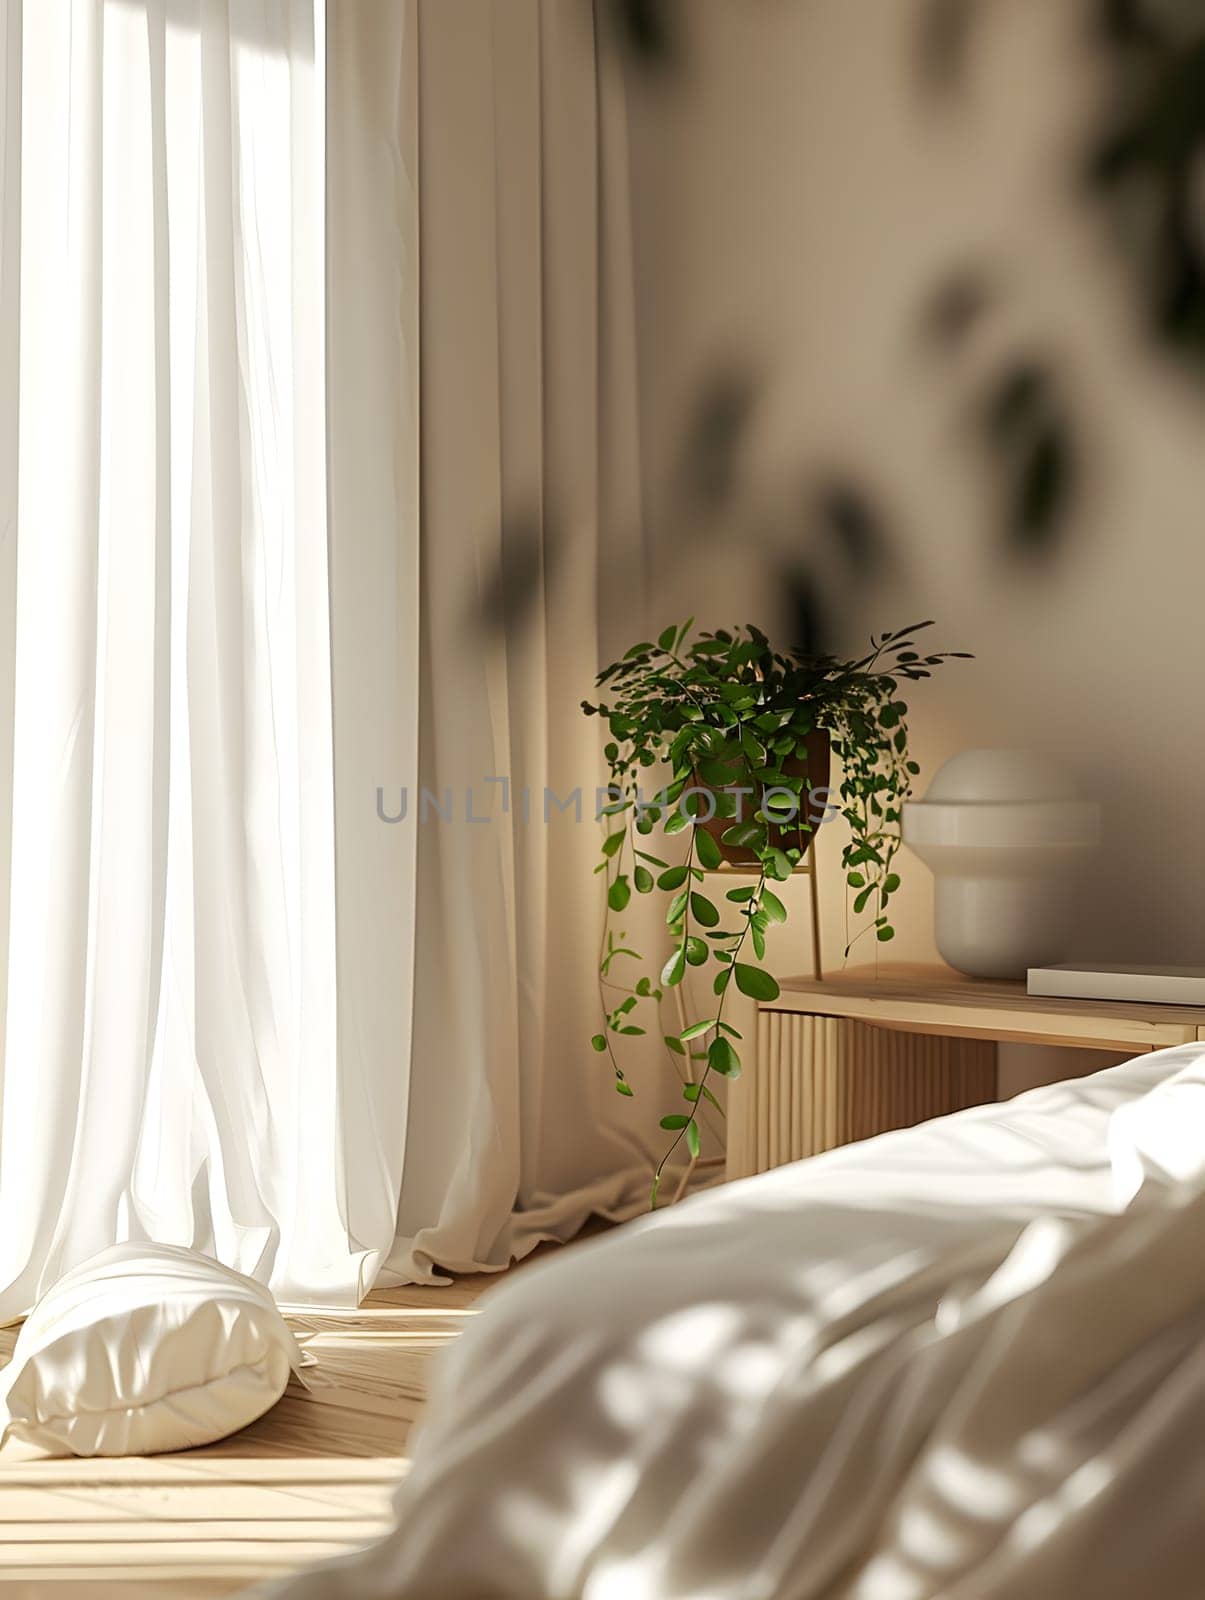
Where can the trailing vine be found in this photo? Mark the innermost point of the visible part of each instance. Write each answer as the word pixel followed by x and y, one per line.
pixel 736 724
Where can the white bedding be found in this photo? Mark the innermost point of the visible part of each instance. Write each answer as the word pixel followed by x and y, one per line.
pixel 966 1360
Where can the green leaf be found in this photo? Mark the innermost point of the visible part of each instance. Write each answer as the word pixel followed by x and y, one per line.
pixel 757 931
pixel 656 1184
pixel 864 852
pixel 754 750
pixel 744 834
pixel 666 638
pixel 643 879
pixel 692 1139
pixel 674 1121
pixel 676 821
pixel 696 1091
pixel 860 900
pixel 623 1087
pixel 653 861
pixel 705 913
pixel 696 951
pixel 723 1059
pixel 758 985
pixel 599 1042
pixel 891 883
pixel 777 864
pixel 718 772
pixel 697 1028
pixel 630 1030
pixel 675 1044
pixel 677 906
pixel 886 933
pixel 739 896
pixel 613 842
pixel 722 980
pixel 619 894
pixel 672 878
pixel 707 851
pixel 855 880
pixel 773 906
pixel 674 969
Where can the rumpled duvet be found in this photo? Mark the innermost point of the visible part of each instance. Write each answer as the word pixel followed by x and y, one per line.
pixel 964 1360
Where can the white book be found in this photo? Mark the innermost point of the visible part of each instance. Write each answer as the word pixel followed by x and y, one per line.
pixel 1173 986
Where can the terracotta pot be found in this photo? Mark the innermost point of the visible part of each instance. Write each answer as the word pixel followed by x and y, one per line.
pixel 814 770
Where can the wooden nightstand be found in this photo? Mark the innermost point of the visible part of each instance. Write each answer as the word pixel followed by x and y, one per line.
pixel 855 1054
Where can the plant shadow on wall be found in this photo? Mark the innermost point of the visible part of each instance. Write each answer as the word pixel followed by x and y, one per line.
pixel 1136 175
pixel 745 732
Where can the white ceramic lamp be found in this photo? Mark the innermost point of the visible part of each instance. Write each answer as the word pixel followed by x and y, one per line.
pixel 1002 832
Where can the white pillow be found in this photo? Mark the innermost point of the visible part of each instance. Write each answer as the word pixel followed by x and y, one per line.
pixel 145 1347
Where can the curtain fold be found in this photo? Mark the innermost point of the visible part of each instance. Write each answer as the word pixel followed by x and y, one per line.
pixel 170 1066
pixel 529 474
pixel 10 308
pixel 372 432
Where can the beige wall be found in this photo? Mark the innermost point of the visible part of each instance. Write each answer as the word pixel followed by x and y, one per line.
pixel 796 199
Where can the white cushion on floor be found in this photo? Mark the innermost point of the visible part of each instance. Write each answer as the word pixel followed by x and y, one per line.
pixel 144 1348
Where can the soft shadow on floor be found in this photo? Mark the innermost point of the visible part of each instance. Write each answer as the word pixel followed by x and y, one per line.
pixel 308 1479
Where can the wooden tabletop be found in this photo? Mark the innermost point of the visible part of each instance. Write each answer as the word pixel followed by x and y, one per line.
pixel 940 1001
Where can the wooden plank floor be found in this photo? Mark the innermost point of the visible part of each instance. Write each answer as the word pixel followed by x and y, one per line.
pixel 311 1477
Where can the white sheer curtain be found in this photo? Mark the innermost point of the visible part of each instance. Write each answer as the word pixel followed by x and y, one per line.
pixel 248 519
pixel 169 1065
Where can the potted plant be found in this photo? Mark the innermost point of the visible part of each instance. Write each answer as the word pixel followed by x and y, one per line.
pixel 741 734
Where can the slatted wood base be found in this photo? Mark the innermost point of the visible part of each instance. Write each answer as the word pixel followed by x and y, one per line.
pixel 309 1479
pixel 819 1082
